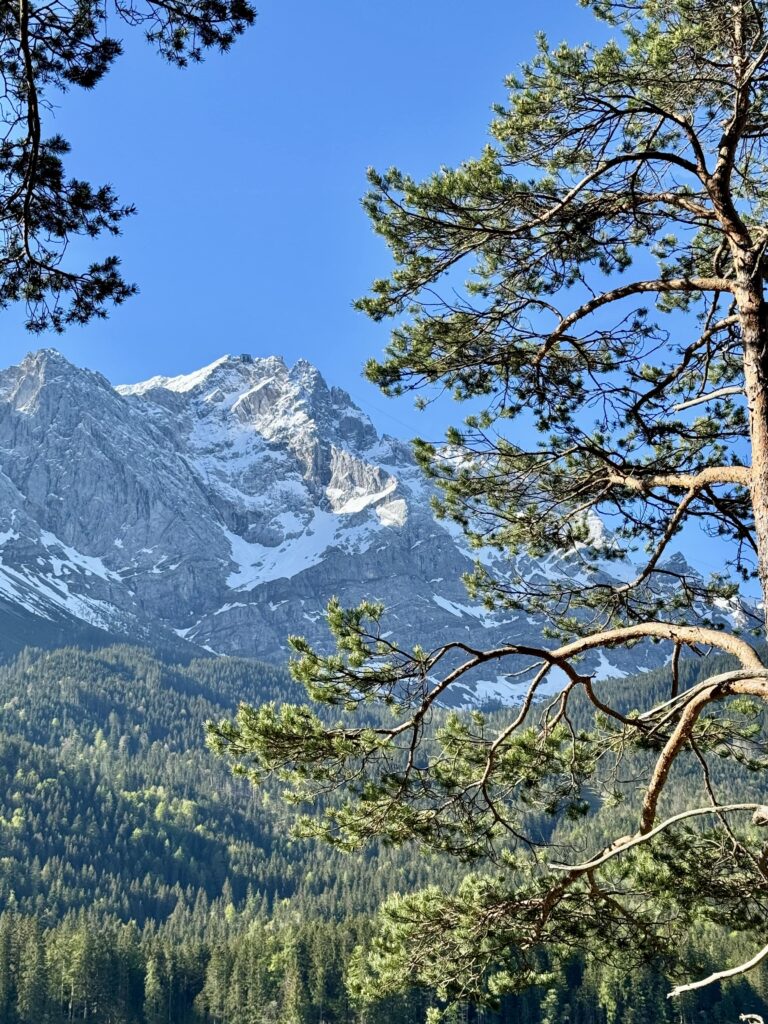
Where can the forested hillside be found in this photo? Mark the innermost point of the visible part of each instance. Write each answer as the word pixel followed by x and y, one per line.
pixel 141 882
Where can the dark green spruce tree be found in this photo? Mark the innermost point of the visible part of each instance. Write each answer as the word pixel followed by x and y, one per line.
pixel 46 49
pixel 611 343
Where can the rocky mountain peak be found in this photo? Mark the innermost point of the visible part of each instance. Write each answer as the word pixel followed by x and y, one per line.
pixel 48 364
pixel 252 400
pixel 225 368
pixel 43 376
pixel 221 509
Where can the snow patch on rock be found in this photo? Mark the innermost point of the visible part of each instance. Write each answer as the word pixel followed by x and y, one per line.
pixel 393 513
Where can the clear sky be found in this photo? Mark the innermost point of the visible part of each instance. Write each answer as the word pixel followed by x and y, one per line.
pixel 248 170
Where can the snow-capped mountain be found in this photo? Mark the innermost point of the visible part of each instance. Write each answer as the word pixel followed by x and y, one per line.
pixel 219 510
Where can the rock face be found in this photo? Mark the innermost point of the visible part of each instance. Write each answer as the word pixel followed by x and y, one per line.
pixel 220 510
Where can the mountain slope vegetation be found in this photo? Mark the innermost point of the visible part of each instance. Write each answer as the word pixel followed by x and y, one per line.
pixel 141 882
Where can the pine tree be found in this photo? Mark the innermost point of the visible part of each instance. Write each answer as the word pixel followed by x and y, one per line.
pixel 154 995
pixel 612 344
pixel 6 964
pixel 44 50
pixel 320 955
pixel 32 998
pixel 293 996
pixel 215 995
pixel 129 969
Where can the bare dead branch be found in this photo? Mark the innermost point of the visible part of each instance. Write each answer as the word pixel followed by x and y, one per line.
pixel 711 396
pixel 732 972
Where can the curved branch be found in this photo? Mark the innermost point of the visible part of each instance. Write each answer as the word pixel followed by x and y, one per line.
pixel 622 845
pixel 682 732
pixel 669 532
pixel 732 389
pixel 680 736
pixel 734 645
pixel 732 972
pixel 674 374
pixel 660 285
pixel 712 475
pixel 607 165
pixel 561 656
pixel 674 703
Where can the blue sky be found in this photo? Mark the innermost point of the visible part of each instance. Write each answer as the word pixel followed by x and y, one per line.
pixel 248 171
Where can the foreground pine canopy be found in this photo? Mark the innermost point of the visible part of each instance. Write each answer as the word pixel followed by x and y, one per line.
pixel 611 342
pixel 46 48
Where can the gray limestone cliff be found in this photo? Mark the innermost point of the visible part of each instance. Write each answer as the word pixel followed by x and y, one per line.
pixel 221 510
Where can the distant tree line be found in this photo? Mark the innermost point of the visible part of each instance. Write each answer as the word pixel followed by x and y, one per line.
pixel 249 969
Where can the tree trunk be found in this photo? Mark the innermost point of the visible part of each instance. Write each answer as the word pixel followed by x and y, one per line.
pixel 755 338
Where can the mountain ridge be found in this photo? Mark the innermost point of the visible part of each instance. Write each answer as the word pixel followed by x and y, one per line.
pixel 219 510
